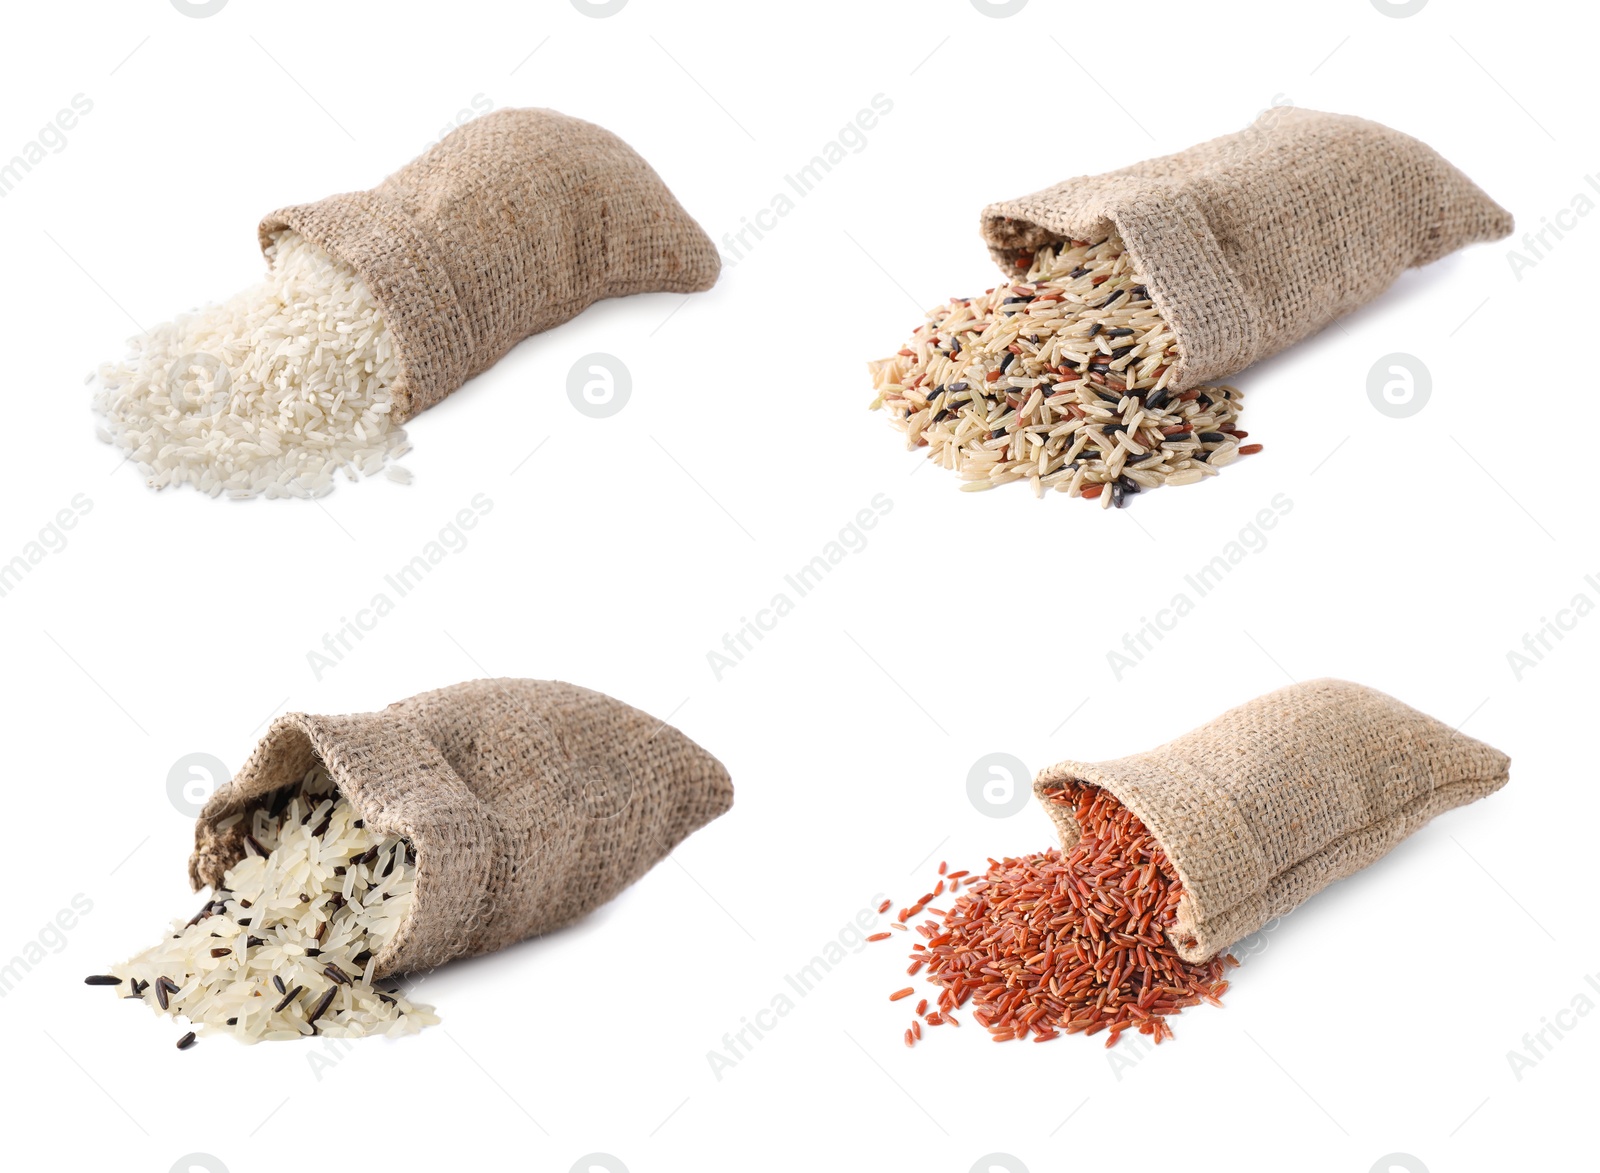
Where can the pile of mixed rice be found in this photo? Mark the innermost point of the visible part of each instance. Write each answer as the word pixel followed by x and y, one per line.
pixel 286 947
pixel 1061 379
pixel 272 392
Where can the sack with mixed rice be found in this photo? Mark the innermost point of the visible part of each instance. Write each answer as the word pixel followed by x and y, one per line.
pixel 1250 242
pixel 1268 804
pixel 528 803
pixel 512 224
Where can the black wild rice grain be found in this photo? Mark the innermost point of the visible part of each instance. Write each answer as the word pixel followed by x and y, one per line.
pixel 288 997
pixel 277 983
pixel 322 1005
pixel 102 979
pixel 186 1041
pixel 221 952
pixel 1212 437
pixel 254 845
pixel 337 974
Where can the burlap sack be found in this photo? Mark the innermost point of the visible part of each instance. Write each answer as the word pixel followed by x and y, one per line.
pixel 1271 802
pixel 514 223
pixel 529 803
pixel 1250 242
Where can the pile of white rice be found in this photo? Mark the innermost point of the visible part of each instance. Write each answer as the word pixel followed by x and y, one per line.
pixel 265 951
pixel 273 392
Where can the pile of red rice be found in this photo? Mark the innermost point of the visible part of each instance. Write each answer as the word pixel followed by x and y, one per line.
pixel 1051 944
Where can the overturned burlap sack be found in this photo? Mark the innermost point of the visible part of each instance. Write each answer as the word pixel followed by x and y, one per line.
pixel 512 224
pixel 529 803
pixel 1250 242
pixel 1271 802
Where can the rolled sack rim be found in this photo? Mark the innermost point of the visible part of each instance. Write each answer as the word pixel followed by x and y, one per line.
pixel 295 743
pixel 1207 929
pixel 364 229
pixel 1143 213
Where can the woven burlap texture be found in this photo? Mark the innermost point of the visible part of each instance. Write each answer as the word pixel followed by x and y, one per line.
pixel 512 224
pixel 1250 242
pixel 529 803
pixel 1271 802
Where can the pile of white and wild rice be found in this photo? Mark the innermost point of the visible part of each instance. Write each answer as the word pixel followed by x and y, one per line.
pixel 286 947
pixel 272 393
pixel 1060 379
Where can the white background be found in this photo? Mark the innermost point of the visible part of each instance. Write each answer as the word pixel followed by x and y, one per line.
pixel 1417 552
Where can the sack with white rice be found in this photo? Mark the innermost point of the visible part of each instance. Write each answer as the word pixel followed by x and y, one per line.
pixel 380 303
pixel 451 824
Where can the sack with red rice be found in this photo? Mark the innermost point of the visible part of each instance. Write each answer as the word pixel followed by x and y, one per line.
pixel 1268 804
pixel 1250 242
pixel 528 803
pixel 512 224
